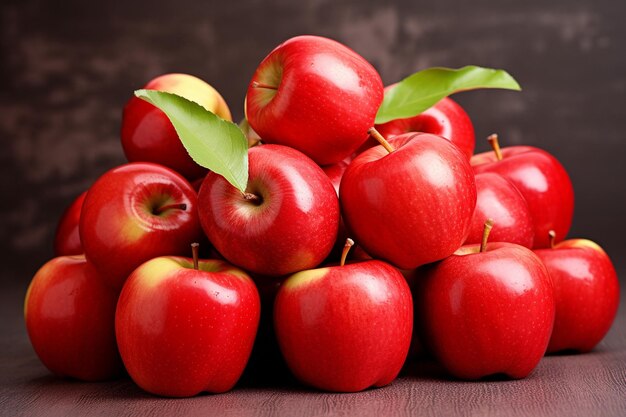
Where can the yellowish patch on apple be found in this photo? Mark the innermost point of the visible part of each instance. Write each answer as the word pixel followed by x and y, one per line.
pixel 132 230
pixel 580 243
pixel 304 278
pixel 155 271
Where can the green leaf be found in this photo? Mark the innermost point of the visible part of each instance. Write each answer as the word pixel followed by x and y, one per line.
pixel 211 141
pixel 422 90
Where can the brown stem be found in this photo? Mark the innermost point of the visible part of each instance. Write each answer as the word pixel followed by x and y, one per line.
pixel 376 134
pixel 495 145
pixel 195 248
pixel 552 235
pixel 176 206
pixel 256 84
pixel 486 231
pixel 346 249
pixel 253 198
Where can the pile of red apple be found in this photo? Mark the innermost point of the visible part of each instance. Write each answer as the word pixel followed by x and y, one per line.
pixel 458 256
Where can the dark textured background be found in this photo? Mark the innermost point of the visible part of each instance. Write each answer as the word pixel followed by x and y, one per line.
pixel 67 68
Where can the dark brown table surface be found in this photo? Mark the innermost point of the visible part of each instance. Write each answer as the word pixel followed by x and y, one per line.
pixel 593 384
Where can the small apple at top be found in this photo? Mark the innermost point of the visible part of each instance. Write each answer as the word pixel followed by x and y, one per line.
pixel 148 135
pixel 315 95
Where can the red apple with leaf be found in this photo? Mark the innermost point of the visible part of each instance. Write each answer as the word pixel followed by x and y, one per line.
pixel 487 309
pixel 186 326
pixel 345 328
pixel 270 209
pixel 446 118
pixel 148 135
pixel 70 316
pixel 541 179
pixel 586 291
pixel 134 213
pixel 419 103
pixel 286 221
pixel 67 237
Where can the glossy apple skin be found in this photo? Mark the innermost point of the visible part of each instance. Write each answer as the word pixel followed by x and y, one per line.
pixel 70 316
pixel 499 200
pixel 326 99
pixel 148 135
pixel 412 206
pixel 446 119
pixel 183 331
pixel 586 290
pixel 66 237
pixel 543 182
pixel 347 328
pixel 487 313
pixel 292 228
pixel 119 227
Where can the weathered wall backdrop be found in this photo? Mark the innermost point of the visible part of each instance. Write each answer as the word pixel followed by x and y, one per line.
pixel 66 69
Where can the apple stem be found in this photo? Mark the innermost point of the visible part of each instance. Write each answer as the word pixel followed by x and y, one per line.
pixel 552 235
pixel 486 231
pixel 495 145
pixel 346 249
pixel 177 206
pixel 256 84
pixel 380 138
pixel 253 198
pixel 195 247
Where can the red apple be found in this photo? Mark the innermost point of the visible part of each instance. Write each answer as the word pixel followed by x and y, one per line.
pixel 499 200
pixel 286 222
pixel 67 238
pixel 316 95
pixel 134 213
pixel 182 331
pixel 411 206
pixel 446 119
pixel 345 328
pixel 149 136
pixel 487 309
pixel 586 291
pixel 70 315
pixel 541 179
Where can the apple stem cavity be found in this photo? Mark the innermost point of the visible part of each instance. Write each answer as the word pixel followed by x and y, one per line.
pixel 178 206
pixel 552 235
pixel 346 248
pixel 495 145
pixel 256 84
pixel 486 231
pixel 381 139
pixel 195 248
pixel 253 198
